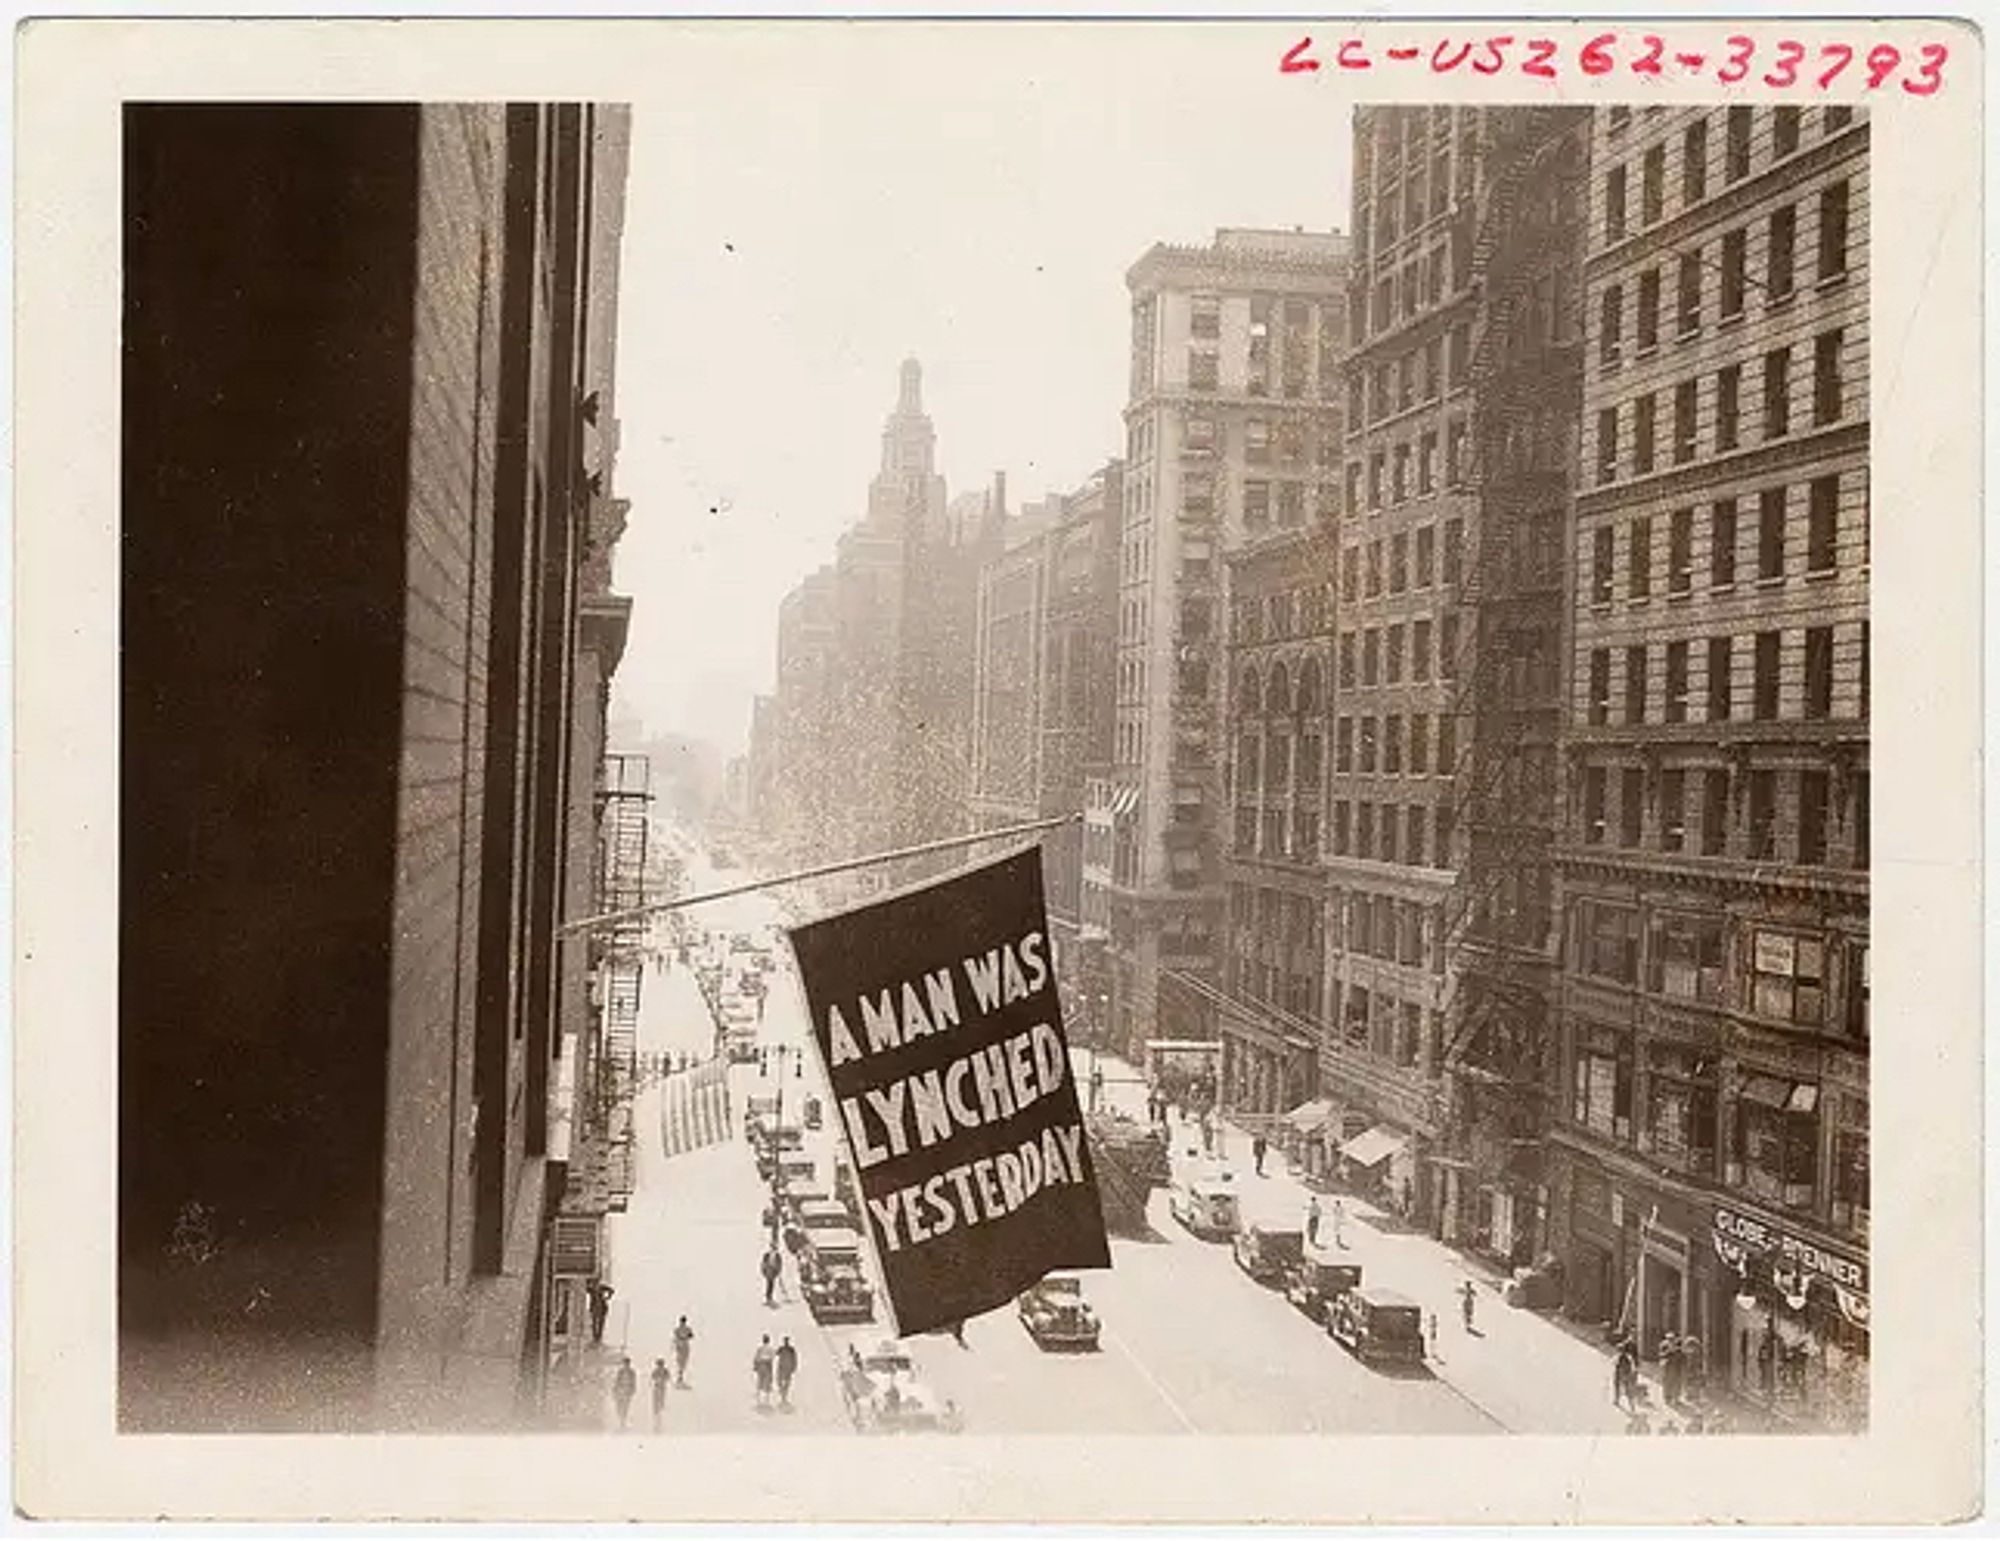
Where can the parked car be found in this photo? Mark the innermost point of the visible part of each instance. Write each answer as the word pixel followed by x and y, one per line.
pixel 1206 1205
pixel 1378 1326
pixel 885 1394
pixel 1317 1279
pixel 1268 1255
pixel 816 1215
pixel 1056 1314
pixel 836 1288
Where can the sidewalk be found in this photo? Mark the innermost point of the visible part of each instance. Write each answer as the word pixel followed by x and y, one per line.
pixel 1527 1372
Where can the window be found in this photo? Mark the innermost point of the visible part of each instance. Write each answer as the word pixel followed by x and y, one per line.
pixel 1433 366
pixel 1788 977
pixel 1763 831
pixel 1427 449
pixel 1342 827
pixel 1350 574
pixel 1426 556
pixel 1205 316
pixel 1635 684
pixel 1833 205
pixel 1614 204
pixel 1607 444
pixel 1694 162
pixel 1812 818
pixel 1642 435
pixel 1764 700
pixel 1364 831
pixel 1291 504
pixel 1371 656
pixel 1714 812
pixel 1680 551
pixel 1728 395
pixel 1639 582
pixel 1343 745
pixel 1819 672
pixel 1392 745
pixel 1601 1098
pixel 1256 503
pixel 1399 563
pixel 1777 1140
pixel 1735 249
pixel 1399 481
pixel 1861 813
pixel 1455 463
pixel 1718 679
pixel 1849 1176
pixel 1610 938
pixel 1722 544
pixel 1420 651
pixel 1653 186
pixel 1784 233
pixel 1414 845
pixel 1347 660
pixel 1680 1109
pixel 1374 568
pixel 1454 550
pixel 1448 645
pixel 1736 153
pixel 1392 670
pixel 1785 130
pixel 1369 744
pixel 1649 310
pixel 1673 809
pixel 1620 118
pixel 1447 764
pixel 1610 324
pixel 1420 735
pixel 1688 305
pixel 1837 118
pixel 1631 805
pixel 1685 959
pixel 1777 393
pixel 1201 370
pixel 1600 686
pixel 1822 524
pixel 1593 805
pixel 1677 682
pixel 1826 378
pixel 1771 533
pixel 1353 499
pixel 1460 356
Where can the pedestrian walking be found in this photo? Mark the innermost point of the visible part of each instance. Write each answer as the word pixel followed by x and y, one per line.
pixel 624 1386
pixel 771 1266
pixel 1096 1085
pixel 600 1307
pixel 1624 1374
pixel 1258 1146
pixel 787 1363
pixel 683 1345
pixel 1673 1369
pixel 762 1363
pixel 1312 1221
pixel 958 1333
pixel 1339 1224
pixel 660 1380
pixel 1466 1304
pixel 1431 1326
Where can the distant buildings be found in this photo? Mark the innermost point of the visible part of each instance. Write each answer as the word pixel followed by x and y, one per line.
pixel 367 1103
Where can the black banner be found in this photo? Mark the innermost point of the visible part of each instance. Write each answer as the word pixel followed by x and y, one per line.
pixel 938 1023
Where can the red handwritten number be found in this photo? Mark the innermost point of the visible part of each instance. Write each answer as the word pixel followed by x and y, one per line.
pixel 1786 71
pixel 1740 50
pixel 1540 51
pixel 1648 63
pixel 1497 47
pixel 1882 62
pixel 1442 66
pixel 1295 59
pixel 1932 72
pixel 1351 56
pixel 1842 54
pixel 1596 56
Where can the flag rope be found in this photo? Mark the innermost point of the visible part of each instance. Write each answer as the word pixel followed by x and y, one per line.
pixel 617 917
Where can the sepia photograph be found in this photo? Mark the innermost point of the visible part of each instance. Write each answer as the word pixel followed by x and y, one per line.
pixel 804 748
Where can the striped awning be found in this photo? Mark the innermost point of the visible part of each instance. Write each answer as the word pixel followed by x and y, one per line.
pixel 1376 1145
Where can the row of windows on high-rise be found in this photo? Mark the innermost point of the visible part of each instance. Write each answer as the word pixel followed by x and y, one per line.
pixel 1829 404
pixel 1816 701
pixel 1787 126
pixel 1798 831
pixel 1774 531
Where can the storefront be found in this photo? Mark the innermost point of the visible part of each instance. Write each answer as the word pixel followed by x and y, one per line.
pixel 1380 1163
pixel 1798 1315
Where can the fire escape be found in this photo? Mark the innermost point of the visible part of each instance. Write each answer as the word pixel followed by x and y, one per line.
pixel 624 796
pixel 1524 376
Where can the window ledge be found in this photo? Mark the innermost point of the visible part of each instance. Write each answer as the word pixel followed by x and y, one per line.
pixel 1783 301
pixel 1688 334
pixel 1822 574
pixel 1722 588
pixel 1680 596
pixel 1831 281
pixel 1771 583
pixel 1730 321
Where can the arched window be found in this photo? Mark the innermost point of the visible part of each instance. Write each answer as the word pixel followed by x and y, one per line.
pixel 1278 694
pixel 1309 685
pixel 1250 698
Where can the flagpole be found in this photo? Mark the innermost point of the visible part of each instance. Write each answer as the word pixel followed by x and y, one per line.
pixel 953 842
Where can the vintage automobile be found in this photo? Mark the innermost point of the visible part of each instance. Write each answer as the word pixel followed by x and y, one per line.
pixel 1267 1254
pixel 1378 1326
pixel 760 1113
pixel 1206 1204
pixel 831 1278
pixel 1056 1314
pixel 815 1215
pixel 885 1394
pixel 1316 1279
pixel 776 1143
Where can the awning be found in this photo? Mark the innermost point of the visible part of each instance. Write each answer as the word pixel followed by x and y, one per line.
pixel 1375 1146
pixel 1768 1091
pixel 1308 1116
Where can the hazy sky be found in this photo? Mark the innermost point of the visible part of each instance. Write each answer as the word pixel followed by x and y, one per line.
pixel 809 206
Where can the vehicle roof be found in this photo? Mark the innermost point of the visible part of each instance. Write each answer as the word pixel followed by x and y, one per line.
pixel 1258 1228
pixel 1377 1296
